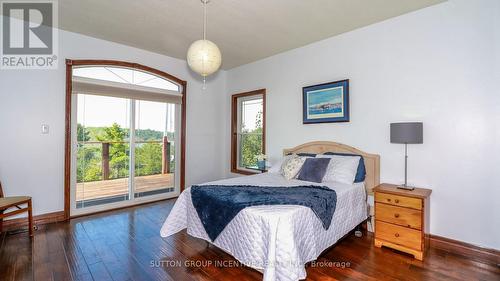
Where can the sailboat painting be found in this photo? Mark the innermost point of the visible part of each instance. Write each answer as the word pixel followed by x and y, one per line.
pixel 326 103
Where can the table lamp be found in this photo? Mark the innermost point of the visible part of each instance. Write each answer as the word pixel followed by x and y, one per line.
pixel 407 133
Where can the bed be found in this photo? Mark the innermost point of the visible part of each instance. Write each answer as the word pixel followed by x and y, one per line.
pixel 279 240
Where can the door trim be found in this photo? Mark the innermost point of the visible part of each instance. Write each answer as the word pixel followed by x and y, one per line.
pixel 68 108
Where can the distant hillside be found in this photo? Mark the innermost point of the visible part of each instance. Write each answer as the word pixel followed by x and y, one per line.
pixel 141 135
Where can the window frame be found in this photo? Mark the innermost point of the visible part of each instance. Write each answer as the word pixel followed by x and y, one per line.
pixel 70 64
pixel 235 126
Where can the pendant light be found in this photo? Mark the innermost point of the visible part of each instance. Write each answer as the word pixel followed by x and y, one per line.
pixel 203 56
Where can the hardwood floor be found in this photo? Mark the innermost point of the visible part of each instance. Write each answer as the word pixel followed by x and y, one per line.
pixel 125 245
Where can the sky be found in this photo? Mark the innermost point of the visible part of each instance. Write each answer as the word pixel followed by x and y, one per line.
pixel 100 111
pixel 249 113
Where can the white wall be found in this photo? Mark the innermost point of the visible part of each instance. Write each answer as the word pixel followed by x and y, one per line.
pixel 33 164
pixel 439 65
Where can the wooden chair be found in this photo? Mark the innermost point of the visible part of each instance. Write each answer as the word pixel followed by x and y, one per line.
pixel 15 202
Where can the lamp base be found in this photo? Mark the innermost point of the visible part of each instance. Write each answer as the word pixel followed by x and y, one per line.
pixel 406 187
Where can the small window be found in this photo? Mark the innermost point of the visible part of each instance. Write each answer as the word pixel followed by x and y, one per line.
pixel 247 130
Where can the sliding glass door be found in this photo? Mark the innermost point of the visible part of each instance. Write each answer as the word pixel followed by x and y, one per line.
pixel 124 150
pixel 154 148
pixel 102 150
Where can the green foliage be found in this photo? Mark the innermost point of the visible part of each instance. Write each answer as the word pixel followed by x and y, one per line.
pixel 251 144
pixel 148 134
pixel 113 134
pixel 148 159
pixel 82 133
pixel 118 150
pixel 258 121
pixel 88 163
pixel 140 135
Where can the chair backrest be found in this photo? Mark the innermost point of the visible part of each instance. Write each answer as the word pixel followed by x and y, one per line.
pixel 1 190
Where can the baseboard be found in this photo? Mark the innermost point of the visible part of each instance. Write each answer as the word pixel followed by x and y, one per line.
pixel 465 249
pixel 37 220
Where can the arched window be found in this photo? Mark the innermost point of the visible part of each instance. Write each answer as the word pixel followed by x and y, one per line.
pixel 126 76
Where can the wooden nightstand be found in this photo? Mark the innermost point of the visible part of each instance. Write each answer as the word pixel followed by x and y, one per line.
pixel 402 218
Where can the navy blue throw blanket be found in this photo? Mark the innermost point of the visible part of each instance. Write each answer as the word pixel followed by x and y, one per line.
pixel 217 205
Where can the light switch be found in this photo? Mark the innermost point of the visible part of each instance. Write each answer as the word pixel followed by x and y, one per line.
pixel 45 129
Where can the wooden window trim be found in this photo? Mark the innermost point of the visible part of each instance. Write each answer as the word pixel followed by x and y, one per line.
pixel 69 88
pixel 234 129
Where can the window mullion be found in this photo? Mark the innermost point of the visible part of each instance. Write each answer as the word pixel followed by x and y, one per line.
pixel 131 182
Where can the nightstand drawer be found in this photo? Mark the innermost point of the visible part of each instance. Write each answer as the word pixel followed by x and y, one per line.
pixel 396 200
pixel 399 235
pixel 399 215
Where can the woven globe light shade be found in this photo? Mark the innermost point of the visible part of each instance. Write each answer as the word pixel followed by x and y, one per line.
pixel 204 57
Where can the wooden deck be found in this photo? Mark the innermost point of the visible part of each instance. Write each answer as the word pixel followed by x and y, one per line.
pixel 109 188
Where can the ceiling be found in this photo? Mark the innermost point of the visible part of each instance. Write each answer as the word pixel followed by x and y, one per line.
pixel 245 31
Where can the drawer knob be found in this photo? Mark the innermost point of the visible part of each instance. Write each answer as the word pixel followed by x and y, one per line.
pixel 397 201
pixel 388 200
pixel 397 234
pixel 396 215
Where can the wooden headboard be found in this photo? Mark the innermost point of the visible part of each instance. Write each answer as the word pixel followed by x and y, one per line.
pixel 372 161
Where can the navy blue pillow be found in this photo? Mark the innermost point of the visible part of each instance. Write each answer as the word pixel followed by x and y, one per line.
pixel 361 172
pixel 314 169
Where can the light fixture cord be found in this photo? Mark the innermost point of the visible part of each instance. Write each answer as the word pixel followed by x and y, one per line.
pixel 204 87
pixel 204 19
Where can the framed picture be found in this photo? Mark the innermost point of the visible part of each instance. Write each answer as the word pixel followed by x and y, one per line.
pixel 326 103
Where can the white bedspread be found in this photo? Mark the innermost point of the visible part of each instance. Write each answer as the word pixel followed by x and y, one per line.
pixel 277 240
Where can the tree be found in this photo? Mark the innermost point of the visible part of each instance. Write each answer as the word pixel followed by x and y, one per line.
pixel 81 133
pixel 118 158
pixel 251 143
pixel 88 164
pixel 258 121
pixel 148 134
pixel 148 159
pixel 115 133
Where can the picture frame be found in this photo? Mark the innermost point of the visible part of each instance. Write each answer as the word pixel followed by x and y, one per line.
pixel 326 103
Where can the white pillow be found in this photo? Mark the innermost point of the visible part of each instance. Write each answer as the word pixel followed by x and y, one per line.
pixel 291 166
pixel 341 168
pixel 276 168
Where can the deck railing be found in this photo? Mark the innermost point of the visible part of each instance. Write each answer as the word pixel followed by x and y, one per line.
pixel 105 145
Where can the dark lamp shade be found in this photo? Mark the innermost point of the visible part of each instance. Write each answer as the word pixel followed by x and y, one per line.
pixel 407 132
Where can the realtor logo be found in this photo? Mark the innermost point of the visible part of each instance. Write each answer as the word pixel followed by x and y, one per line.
pixel 29 35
